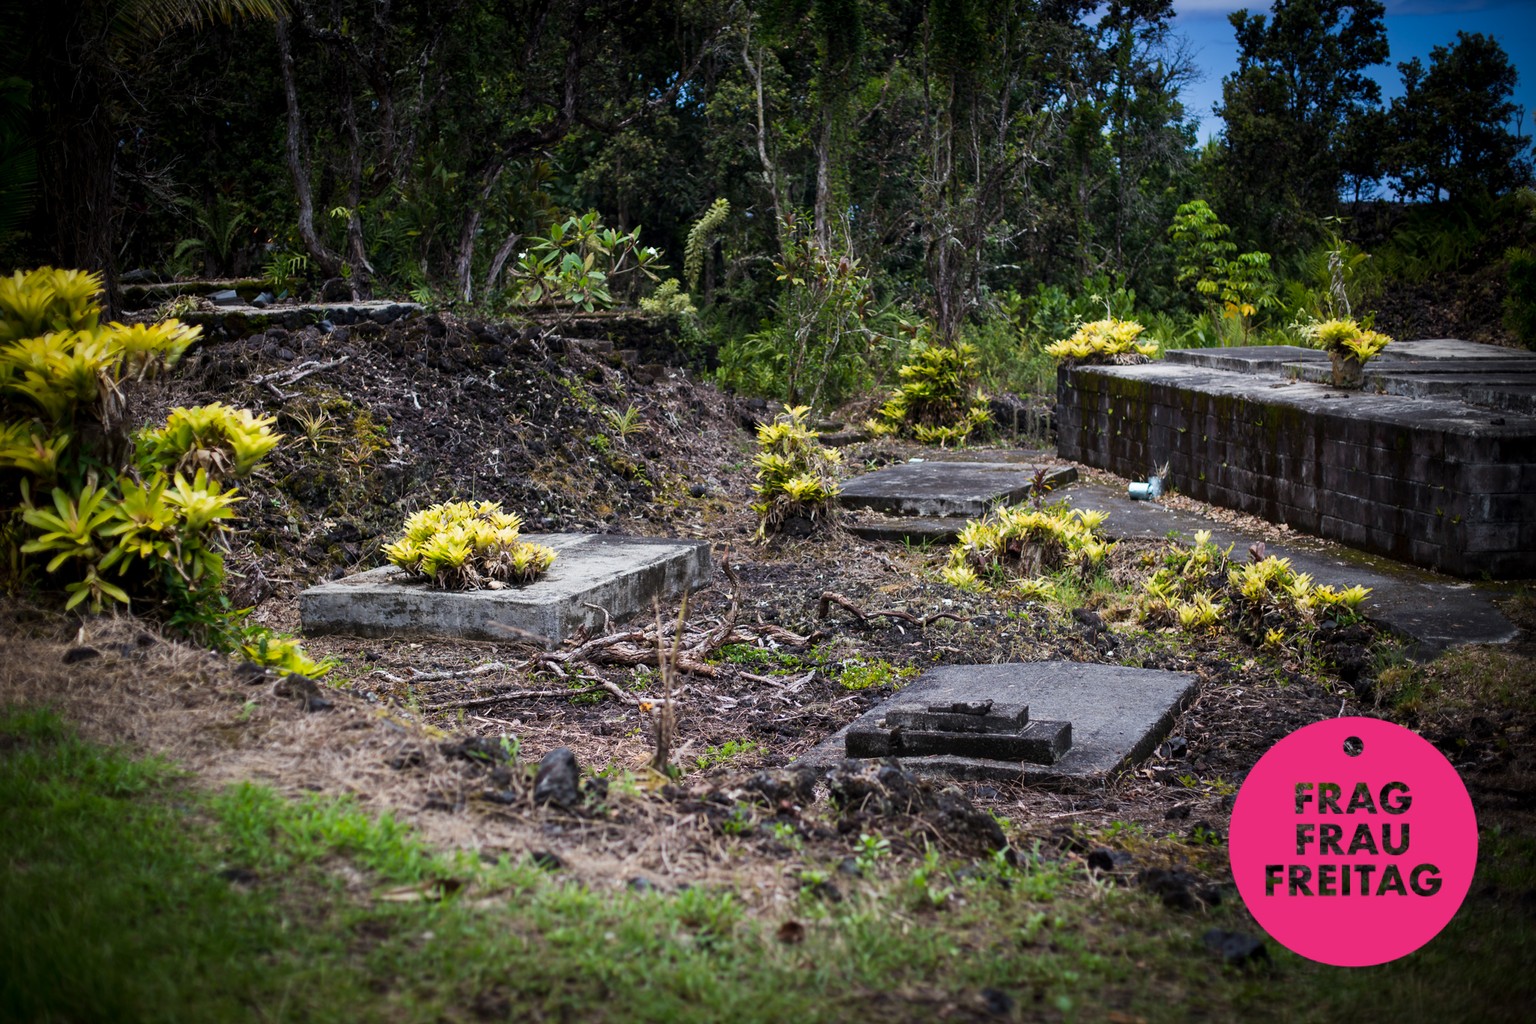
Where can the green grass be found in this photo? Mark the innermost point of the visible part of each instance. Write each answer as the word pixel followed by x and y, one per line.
pixel 127 894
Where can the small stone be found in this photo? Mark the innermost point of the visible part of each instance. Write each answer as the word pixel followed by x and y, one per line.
pixel 1236 948
pixel 75 655
pixel 1173 747
pixel 557 779
pixel 997 1002
pixel 1104 859
pixel 698 490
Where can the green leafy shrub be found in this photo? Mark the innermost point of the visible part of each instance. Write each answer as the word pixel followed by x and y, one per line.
pixel 826 327
pixel 796 476
pixel 1110 340
pixel 1237 285
pixel 576 263
pixel 461 545
pixel 1016 545
pixel 119 521
pixel 936 401
pixel 1520 300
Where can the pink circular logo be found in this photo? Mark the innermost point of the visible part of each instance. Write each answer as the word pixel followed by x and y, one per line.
pixel 1353 842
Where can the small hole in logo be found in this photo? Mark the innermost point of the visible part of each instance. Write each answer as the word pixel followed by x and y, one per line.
pixel 1354 747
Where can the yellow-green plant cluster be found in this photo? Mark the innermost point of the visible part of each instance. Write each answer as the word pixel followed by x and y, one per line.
pixel 1269 594
pixel 1184 589
pixel 796 476
pixel 1020 544
pixel 284 655
pixel 464 545
pixel 1267 601
pixel 112 518
pixel 1110 340
pixel 219 438
pixel 936 401
pixel 1347 338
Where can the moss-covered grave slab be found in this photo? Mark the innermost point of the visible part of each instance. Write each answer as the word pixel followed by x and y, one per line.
pixel 593 576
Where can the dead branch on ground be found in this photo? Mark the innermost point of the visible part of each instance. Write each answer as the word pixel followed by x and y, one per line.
pixel 830 598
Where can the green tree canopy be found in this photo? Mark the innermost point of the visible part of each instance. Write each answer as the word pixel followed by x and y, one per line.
pixel 1452 123
pixel 1298 97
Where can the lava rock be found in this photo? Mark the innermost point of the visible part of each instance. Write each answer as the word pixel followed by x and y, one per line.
pixel 479 749
pixel 1173 747
pixel 1179 890
pixel 557 779
pixel 1102 858
pixel 1236 948
pixel 75 655
pixel 997 1002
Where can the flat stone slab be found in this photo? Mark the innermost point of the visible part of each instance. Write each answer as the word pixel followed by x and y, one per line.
pixel 1435 610
pixel 1117 715
pixel 950 488
pixel 591 574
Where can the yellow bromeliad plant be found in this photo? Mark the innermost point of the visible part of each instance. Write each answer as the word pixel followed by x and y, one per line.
pixel 937 401
pixel 1024 543
pixel 796 476
pixel 463 545
pixel 224 440
pixel 1110 340
pixel 1348 337
pixel 113 518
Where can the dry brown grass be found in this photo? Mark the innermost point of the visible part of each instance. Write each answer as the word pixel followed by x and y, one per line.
pixel 226 724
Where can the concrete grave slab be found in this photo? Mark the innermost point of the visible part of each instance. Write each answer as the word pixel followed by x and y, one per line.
pixel 1117 716
pixel 954 488
pixel 1436 611
pixel 592 573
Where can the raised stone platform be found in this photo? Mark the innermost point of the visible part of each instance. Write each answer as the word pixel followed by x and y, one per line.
pixel 592 574
pixel 241 319
pixel 1084 721
pixel 1433 463
pixel 958 488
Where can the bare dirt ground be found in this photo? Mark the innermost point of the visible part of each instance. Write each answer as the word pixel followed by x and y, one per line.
pixel 437 408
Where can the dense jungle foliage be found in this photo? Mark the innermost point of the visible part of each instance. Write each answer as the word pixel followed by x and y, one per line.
pixel 814 186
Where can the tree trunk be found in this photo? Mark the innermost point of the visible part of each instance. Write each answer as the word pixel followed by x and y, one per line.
pixel 500 260
pixel 76 153
pixel 298 166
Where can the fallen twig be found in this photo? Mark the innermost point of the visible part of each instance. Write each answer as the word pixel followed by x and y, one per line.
pixel 829 598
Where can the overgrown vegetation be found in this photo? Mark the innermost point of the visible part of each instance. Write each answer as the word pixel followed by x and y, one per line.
pixel 107 514
pixel 937 401
pixel 796 476
pixel 1264 599
pixel 237 898
pixel 1019 546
